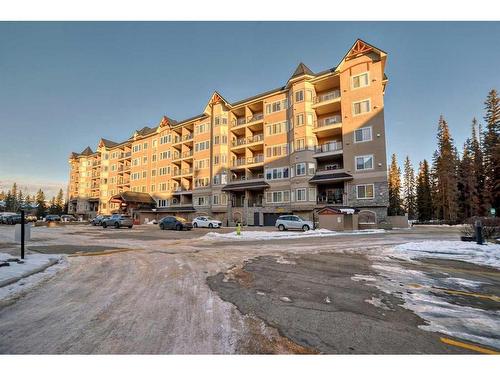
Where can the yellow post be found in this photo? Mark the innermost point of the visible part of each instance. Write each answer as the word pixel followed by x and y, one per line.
pixel 238 229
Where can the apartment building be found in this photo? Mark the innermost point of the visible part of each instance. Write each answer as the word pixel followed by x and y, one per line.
pixel 317 141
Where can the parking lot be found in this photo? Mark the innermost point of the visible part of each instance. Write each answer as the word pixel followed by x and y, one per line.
pixel 143 290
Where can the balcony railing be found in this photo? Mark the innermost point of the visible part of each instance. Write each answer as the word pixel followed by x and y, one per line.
pixel 242 120
pixel 327 96
pixel 181 172
pixel 251 160
pixel 246 178
pixel 331 199
pixel 248 140
pixel 329 167
pixel 333 120
pixel 328 147
pixel 124 155
pixel 182 155
pixel 185 137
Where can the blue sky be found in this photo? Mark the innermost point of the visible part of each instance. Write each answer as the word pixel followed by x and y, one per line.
pixel 65 85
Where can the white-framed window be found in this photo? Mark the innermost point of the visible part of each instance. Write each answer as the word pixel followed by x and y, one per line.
pixel 299 96
pixel 365 191
pixel 299 120
pixel 277 173
pixel 276 128
pixel 144 174
pixel 202 146
pixel 145 160
pixel 300 169
pixel 300 195
pixel 278 150
pixel 153 172
pixel 162 202
pixel 300 144
pixel 166 139
pixel 152 188
pixel 312 194
pixel 145 146
pixel 277 106
pixel 154 157
pixel 364 162
pixel 136 162
pixel 363 134
pixel 360 80
pixel 363 106
pixel 136 148
pixel 165 155
pixel 201 201
pixel 309 119
pixel 278 196
pixel 155 143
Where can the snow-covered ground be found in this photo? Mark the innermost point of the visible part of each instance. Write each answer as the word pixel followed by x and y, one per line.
pixel 19 277
pixel 249 235
pixel 483 255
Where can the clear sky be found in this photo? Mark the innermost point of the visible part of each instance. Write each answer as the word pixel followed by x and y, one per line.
pixel 65 85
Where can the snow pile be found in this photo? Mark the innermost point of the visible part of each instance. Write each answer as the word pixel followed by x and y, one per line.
pixel 32 263
pixel 20 277
pixel 483 255
pixel 264 235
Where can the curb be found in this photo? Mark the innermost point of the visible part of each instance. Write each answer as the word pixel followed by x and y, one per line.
pixel 13 280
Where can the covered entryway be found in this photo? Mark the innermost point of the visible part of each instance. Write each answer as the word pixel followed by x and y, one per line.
pixel 131 201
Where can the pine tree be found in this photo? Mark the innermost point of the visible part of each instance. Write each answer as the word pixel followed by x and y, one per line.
pixel 395 204
pixel 409 189
pixel 40 202
pixel 424 197
pixel 2 195
pixel 445 174
pixel 14 192
pixel 59 201
pixel 467 195
pixel 479 208
pixel 20 199
pixel 10 202
pixel 491 149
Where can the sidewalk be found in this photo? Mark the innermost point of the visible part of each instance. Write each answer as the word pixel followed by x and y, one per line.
pixel 31 265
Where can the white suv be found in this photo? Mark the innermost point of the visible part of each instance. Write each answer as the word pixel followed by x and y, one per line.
pixel 206 221
pixel 286 222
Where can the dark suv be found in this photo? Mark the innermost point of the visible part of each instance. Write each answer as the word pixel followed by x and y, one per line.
pixel 14 219
pixel 50 218
pixel 175 222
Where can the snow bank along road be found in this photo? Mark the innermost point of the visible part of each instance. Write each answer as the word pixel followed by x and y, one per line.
pixel 169 294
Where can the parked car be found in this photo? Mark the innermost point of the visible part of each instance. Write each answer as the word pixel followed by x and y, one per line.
pixel 4 216
pixel 206 222
pixel 286 222
pixel 14 219
pixel 98 219
pixel 175 222
pixel 31 219
pixel 117 221
pixel 68 218
pixel 50 218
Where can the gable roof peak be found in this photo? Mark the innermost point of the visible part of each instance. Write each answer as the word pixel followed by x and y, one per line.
pixel 88 151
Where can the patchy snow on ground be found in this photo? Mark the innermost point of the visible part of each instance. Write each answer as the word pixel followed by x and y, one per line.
pixel 24 276
pixel 248 235
pixel 418 292
pixel 483 255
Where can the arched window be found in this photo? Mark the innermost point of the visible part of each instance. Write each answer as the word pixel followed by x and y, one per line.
pixel 367 217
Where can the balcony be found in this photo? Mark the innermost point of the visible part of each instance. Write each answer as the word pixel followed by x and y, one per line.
pixel 249 140
pixel 238 179
pixel 328 149
pixel 125 155
pixel 326 102
pixel 183 155
pixel 248 120
pixel 184 138
pixel 183 172
pixel 247 161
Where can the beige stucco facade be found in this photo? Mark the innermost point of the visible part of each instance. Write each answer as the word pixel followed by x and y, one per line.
pixel 317 141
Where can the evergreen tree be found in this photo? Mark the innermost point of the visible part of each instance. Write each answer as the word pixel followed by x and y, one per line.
pixel 424 197
pixel 467 194
pixel 10 202
pixel 445 174
pixel 59 201
pixel 15 203
pixel 479 208
pixel 20 199
pixel 40 202
pixel 2 195
pixel 409 189
pixel 491 149
pixel 395 204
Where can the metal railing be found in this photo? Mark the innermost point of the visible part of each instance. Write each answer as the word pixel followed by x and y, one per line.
pixel 330 95
pixel 182 155
pixel 327 147
pixel 332 120
pixel 330 199
pixel 248 140
pixel 185 137
pixel 124 155
pixel 251 160
pixel 181 172
pixel 247 178
pixel 242 120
